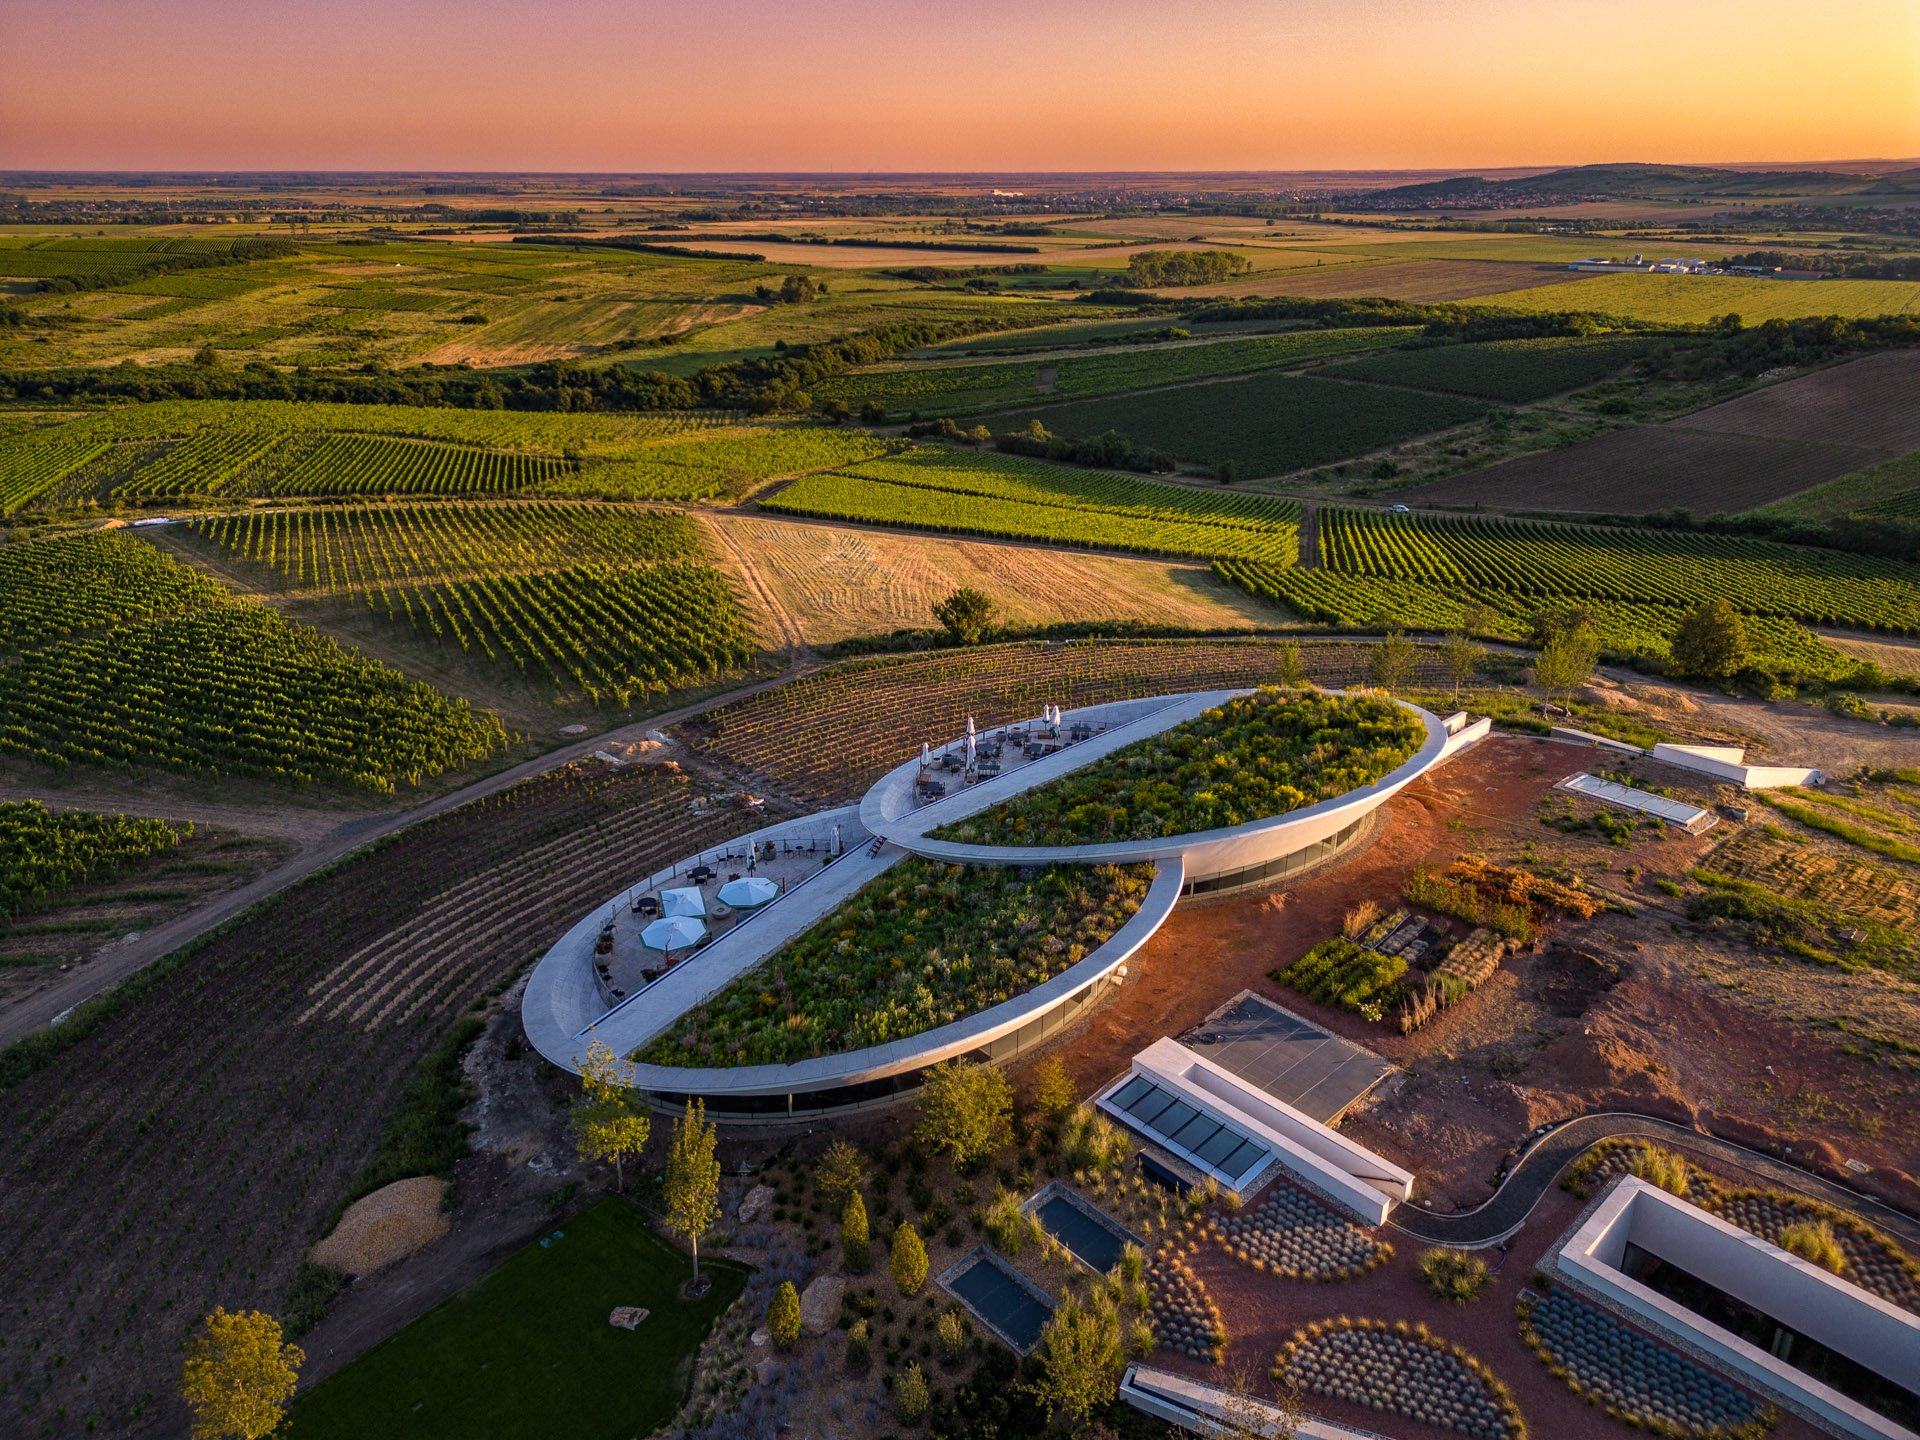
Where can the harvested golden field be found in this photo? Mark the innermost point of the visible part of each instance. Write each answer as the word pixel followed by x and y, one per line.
pixel 836 582
pixel 1894 658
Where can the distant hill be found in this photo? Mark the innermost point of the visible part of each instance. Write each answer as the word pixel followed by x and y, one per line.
pixel 1642 182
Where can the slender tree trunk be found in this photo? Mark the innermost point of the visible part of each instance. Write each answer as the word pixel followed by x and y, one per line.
pixel 619 1176
pixel 696 1257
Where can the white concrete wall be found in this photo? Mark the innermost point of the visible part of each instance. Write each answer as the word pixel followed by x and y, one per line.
pixel 1820 1305
pixel 1210 1410
pixel 1725 762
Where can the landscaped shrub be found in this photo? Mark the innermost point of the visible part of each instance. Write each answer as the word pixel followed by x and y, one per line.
pixel 1814 1240
pixel 1452 1275
pixel 908 1259
pixel 1257 756
pixel 924 944
pixel 1659 1166
pixel 954 1335
pixel 783 1317
pixel 839 1173
pixel 1007 1226
pixel 910 1397
pixel 855 1242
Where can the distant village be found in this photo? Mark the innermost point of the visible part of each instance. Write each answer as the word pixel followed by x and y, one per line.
pixel 1694 267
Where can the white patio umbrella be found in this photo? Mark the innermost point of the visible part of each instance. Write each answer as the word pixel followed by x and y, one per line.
pixel 687 900
pixel 675 933
pixel 754 890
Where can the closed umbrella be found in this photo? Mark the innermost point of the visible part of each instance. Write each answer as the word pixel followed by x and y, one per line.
pixel 674 933
pixel 754 890
pixel 686 900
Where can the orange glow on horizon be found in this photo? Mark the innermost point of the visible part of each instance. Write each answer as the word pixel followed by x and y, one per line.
pixel 858 85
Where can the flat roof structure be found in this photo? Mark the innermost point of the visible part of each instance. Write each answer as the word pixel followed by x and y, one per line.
pixel 1292 1059
pixel 1690 818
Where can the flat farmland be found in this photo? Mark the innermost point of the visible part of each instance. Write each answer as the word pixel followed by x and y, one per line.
pixel 1873 404
pixel 837 582
pixel 1744 453
pixel 1266 425
pixel 1691 299
pixel 1423 281
pixel 1650 467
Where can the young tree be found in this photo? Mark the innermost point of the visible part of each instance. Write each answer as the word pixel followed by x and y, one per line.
pixel 693 1178
pixel 1711 642
pixel 1566 662
pixel 1053 1089
pixel 1393 661
pixel 856 1248
pixel 608 1120
pixel 839 1173
pixel 1293 669
pixel 967 615
pixel 1553 621
pixel 965 1110
pixel 783 1317
pixel 1082 1357
pixel 1478 619
pixel 239 1376
pixel 1460 658
pixel 907 1258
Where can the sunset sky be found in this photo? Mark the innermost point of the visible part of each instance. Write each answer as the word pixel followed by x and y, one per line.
pixel 639 85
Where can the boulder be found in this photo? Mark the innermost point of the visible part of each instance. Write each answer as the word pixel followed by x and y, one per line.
pixel 758 1201
pixel 820 1304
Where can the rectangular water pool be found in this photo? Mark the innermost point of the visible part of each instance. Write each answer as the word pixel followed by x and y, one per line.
pixel 1095 1241
pixel 1003 1299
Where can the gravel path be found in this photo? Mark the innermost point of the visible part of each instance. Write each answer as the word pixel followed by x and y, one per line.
pixel 1540 1167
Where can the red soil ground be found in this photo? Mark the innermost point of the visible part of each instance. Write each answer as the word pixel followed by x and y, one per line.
pixel 1262 1311
pixel 1551 1036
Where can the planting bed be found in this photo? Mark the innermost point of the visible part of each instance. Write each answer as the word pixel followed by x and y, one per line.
pixel 1185 1319
pixel 1646 1384
pixel 1291 1234
pixel 923 945
pixel 1400 1370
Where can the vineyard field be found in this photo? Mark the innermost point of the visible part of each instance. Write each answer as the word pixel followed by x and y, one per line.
pixel 1515 371
pixel 234 690
pixel 33 462
pixel 1265 425
pixel 824 738
pixel 44 853
pixel 590 631
pixel 334 550
pixel 305 1022
pixel 130 659
pixel 972 389
pixel 1632 633
pixel 991 494
pixel 1649 566
pixel 50 589
pixel 182 450
pixel 1697 299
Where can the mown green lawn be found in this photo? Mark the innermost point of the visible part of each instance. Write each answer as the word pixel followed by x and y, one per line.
pixel 527 1352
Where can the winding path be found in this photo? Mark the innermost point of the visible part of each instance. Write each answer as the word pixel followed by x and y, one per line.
pixel 1540 1166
